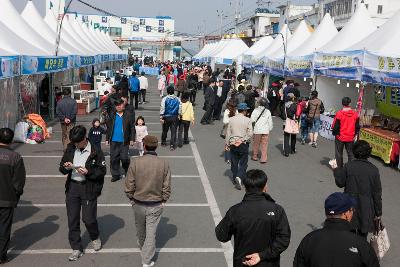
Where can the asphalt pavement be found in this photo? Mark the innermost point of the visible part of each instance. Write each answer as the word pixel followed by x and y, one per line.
pixel 201 194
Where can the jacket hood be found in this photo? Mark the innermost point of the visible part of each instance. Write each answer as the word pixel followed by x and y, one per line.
pixel 348 112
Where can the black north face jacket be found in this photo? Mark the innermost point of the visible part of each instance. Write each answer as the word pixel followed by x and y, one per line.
pixel 335 246
pixel 258 226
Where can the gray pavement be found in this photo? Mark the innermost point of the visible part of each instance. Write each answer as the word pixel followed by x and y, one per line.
pixel 201 193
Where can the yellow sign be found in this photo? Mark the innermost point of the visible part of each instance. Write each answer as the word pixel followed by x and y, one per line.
pixel 381 147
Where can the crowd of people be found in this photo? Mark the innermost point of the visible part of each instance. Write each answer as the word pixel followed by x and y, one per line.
pixel 258 224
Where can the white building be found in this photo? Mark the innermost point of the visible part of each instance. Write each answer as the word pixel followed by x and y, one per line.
pixel 259 24
pixel 342 10
pixel 291 11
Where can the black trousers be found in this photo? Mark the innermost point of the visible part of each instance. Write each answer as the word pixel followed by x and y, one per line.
pixel 170 123
pixel 218 108
pixel 143 94
pixel 339 146
pixel 136 96
pixel 208 114
pixel 75 203
pixel 273 104
pixel 193 96
pixel 6 218
pixel 119 155
pixel 288 148
pixel 183 129
pixel 239 160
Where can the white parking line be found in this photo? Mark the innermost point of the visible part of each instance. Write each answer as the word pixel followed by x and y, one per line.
pixel 114 250
pixel 107 176
pixel 216 213
pixel 112 205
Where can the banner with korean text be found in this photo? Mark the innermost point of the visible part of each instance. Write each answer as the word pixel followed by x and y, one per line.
pixel 382 70
pixel 35 65
pixel 300 66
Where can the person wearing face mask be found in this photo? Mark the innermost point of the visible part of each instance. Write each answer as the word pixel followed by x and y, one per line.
pixel 335 244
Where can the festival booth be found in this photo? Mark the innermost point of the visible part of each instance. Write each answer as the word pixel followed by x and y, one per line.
pixel 230 54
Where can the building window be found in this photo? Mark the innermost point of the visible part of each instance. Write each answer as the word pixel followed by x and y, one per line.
pixel 161 29
pixel 123 20
pixel 135 28
pixel 142 22
pixel 380 9
pixel 115 31
pixel 148 28
pixel 104 19
pixel 160 22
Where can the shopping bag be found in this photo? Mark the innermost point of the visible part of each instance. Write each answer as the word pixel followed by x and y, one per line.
pixel 380 240
pixel 291 126
pixel 21 132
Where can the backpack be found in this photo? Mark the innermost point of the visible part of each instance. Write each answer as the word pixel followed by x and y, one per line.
pixel 172 106
pixel 133 85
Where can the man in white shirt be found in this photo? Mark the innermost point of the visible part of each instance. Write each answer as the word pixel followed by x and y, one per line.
pixel 144 84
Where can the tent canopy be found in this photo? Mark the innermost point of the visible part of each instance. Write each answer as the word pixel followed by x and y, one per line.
pixel 233 49
pixel 277 44
pixel 259 46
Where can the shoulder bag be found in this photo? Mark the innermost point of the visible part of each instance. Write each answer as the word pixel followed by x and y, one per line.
pixel 291 125
pixel 311 119
pixel 380 240
pixel 254 123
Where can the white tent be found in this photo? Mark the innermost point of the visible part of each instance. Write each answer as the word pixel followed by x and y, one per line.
pixel 12 19
pixel 325 31
pixel 232 50
pixel 259 46
pixel 207 47
pixel 33 18
pixel 277 43
pixel 80 34
pixel 111 43
pixel 357 28
pixel 300 35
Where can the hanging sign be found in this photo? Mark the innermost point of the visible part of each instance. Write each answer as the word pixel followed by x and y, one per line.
pixel 34 65
pixel 9 67
pixel 300 66
pixel 381 70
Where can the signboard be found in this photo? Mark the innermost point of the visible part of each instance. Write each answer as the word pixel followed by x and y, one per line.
pixel 32 65
pixel 275 67
pixel 342 65
pixel 86 61
pixel 9 67
pixel 326 127
pixel 300 66
pixel 381 70
pixel 381 147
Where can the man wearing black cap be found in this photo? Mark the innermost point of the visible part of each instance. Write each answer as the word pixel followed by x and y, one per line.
pixel 335 245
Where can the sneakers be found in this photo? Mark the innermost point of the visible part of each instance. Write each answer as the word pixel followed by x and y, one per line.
pixel 314 145
pixel 115 178
pixel 149 265
pixel 238 184
pixel 4 260
pixel 96 244
pixel 303 142
pixel 76 254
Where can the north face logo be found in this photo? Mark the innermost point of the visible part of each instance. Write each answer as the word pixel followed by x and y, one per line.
pixel 353 249
pixel 271 213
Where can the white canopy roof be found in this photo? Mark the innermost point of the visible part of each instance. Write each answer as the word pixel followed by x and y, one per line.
pixel 206 49
pixel 384 41
pixel 300 35
pixel 33 18
pixel 357 28
pixel 259 46
pixel 111 43
pixel 81 35
pixel 217 48
pixel 12 19
pixel 233 49
pixel 325 31
pixel 277 43
pixel 12 44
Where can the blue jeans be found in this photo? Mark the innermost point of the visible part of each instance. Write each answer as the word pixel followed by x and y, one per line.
pixel 240 158
pixel 304 133
pixel 316 124
pixel 227 155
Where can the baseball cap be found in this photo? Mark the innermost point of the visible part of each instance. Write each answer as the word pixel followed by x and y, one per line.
pixel 242 106
pixel 338 203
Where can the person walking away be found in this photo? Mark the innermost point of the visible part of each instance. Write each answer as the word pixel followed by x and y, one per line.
pixel 315 109
pixel 187 118
pixel 218 101
pixel 262 121
pixel 12 182
pixel 229 112
pixel 181 85
pixel 206 80
pixel 117 78
pixel 345 128
pixel 301 113
pixel 96 133
pixel 85 166
pixel 66 112
pixel 250 98
pixel 192 86
pixel 240 96
pixel 141 132
pixel 361 180
pixel 134 88
pixel 144 85
pixel 162 80
pixel 227 85
pixel 335 245
pixel 289 135
pixel 273 98
pixel 124 86
pixel 148 187
pixel 209 103
pixel 171 109
pixel 241 76
pixel 258 225
pixel 238 136
pixel 120 134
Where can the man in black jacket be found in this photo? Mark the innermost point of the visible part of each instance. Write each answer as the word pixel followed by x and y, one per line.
pixel 86 168
pixel 209 103
pixel 335 245
pixel 120 134
pixel 12 182
pixel 66 112
pixel 260 227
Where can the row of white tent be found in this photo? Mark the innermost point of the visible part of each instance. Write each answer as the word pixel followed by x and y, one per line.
pixel 360 51
pixel 28 42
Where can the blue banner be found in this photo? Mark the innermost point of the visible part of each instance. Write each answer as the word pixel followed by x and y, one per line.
pixel 149 70
pixel 381 70
pixel 275 67
pixel 300 66
pixel 34 65
pixel 346 64
pixel 87 61
pixel 9 67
